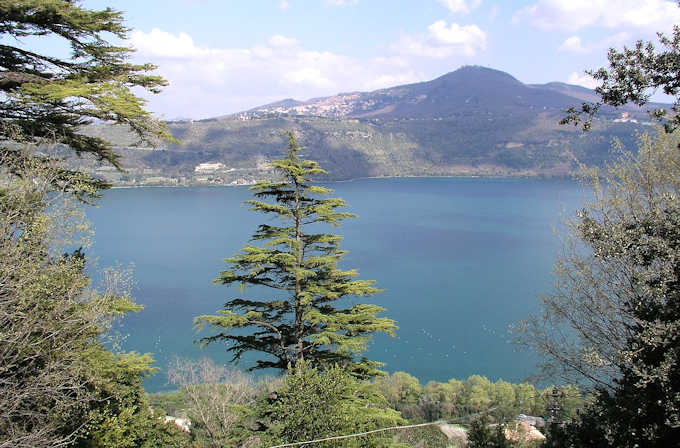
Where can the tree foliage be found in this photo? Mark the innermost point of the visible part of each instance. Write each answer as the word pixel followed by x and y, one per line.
pixel 614 318
pixel 216 399
pixel 633 76
pixel 48 97
pixel 481 435
pixel 458 399
pixel 304 319
pixel 617 271
pixel 312 405
pixel 59 384
pixel 40 372
pixel 119 414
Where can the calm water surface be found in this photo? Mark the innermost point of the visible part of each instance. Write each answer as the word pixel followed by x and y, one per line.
pixel 459 259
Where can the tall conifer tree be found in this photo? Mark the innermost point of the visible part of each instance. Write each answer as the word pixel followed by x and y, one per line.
pixel 48 97
pixel 308 317
pixel 59 383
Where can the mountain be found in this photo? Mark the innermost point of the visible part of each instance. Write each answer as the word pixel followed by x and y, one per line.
pixel 473 121
pixel 287 103
pixel 468 89
pixel 572 91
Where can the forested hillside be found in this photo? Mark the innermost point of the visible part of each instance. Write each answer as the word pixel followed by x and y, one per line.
pixel 474 121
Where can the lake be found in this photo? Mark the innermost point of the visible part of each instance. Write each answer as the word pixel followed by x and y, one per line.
pixel 460 259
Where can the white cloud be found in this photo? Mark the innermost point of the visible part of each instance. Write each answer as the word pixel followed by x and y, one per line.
pixel 284 4
pixel 582 80
pixel 462 6
pixel 278 40
pixel 308 76
pixel 163 44
pixel 573 45
pixel 454 34
pixel 443 41
pixel 576 14
pixel 208 82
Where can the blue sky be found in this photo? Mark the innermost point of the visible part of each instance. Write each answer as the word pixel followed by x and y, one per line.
pixel 225 56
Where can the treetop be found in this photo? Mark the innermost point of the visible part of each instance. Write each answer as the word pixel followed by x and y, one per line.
pixel 50 98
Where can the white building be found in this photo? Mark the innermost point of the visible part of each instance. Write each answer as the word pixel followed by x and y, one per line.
pixel 209 167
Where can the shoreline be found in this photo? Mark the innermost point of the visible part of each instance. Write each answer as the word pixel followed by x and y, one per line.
pixel 571 177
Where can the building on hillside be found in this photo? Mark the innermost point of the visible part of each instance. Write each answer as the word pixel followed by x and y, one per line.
pixel 209 167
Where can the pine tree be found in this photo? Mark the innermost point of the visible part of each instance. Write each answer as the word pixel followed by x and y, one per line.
pixel 59 384
pixel 305 318
pixel 48 98
pixel 312 405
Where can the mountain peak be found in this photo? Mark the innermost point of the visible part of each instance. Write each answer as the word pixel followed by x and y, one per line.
pixel 471 87
pixel 478 74
pixel 480 69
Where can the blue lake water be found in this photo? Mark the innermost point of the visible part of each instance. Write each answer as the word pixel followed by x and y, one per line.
pixel 460 259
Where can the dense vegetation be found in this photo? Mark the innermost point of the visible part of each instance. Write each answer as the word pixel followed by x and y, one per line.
pixel 612 322
pixel 613 319
pixel 61 383
pixel 256 411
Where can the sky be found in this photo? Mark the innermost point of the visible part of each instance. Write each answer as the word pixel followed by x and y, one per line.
pixel 226 56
